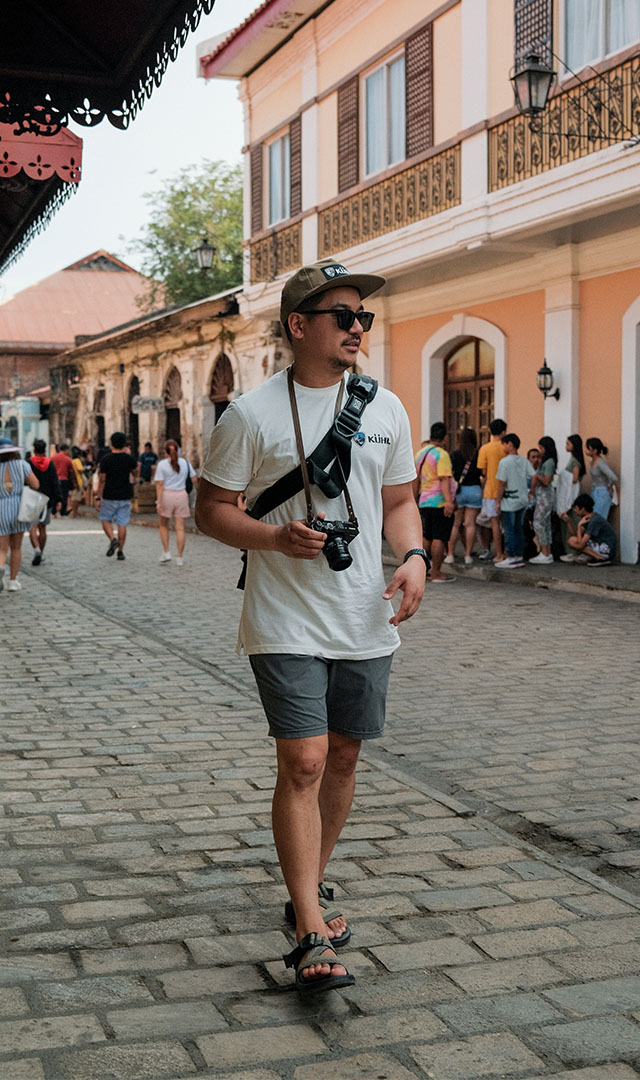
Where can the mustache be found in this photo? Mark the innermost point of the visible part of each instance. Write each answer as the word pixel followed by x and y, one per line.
pixel 355 340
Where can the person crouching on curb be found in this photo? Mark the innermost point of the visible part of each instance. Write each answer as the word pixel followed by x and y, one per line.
pixel 320 642
pixel 595 541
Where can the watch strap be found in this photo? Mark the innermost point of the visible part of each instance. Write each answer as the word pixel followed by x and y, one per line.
pixel 421 552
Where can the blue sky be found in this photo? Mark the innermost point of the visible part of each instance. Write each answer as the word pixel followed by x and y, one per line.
pixel 185 120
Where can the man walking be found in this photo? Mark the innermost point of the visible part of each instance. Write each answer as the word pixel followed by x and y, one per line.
pixel 45 471
pixel 433 489
pixel 63 465
pixel 320 642
pixel 115 492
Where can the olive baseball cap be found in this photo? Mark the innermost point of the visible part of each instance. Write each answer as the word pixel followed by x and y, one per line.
pixel 318 278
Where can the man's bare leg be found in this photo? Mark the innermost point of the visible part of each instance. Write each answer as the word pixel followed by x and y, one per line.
pixel 107 529
pixel 122 535
pixel 335 798
pixel 297 831
pixel 496 532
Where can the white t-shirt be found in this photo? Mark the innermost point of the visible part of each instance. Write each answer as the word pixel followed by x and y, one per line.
pixel 301 606
pixel 172 480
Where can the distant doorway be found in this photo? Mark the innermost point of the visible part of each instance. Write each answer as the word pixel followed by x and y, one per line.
pixel 469 373
pixel 221 384
pixel 133 427
pixel 172 398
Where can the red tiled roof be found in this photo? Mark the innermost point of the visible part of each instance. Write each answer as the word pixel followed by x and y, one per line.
pixel 81 299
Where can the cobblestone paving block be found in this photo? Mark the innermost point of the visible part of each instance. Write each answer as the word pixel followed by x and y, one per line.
pixel 90 992
pixel 273 1008
pixel 145 1061
pixel 479 1015
pixel 96 937
pixel 238 948
pixel 171 1019
pixel 438 953
pixel 23 1036
pixel 513 943
pixel 23 918
pixel 355 1067
pixel 598 998
pixel 136 958
pixel 535 913
pixel 171 929
pixel 474 899
pixel 269 1044
pixel 104 910
pixel 587 1042
pixel 600 963
pixel 528 973
pixel 21 969
pixel 614 931
pixel 13 1002
pixel 480 1056
pixel 26 1069
pixel 406 1026
pixel 600 1072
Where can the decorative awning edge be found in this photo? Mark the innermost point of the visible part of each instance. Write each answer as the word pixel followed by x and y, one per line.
pixel 59 197
pixel 39 158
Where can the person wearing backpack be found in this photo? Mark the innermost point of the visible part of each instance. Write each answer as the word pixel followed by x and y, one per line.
pixel 317 621
pixel 46 473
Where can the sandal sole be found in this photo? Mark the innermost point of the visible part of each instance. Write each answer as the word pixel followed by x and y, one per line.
pixel 324 983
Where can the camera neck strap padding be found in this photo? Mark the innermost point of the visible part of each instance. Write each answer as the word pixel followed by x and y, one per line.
pixel 333 450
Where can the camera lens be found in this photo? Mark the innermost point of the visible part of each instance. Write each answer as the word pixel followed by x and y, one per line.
pixel 337 553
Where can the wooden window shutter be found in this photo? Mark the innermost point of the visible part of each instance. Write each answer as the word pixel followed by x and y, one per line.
pixel 295 151
pixel 349 134
pixel 257 199
pixel 419 76
pixel 533 30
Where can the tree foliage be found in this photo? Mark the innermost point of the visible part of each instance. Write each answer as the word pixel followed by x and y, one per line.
pixel 198 201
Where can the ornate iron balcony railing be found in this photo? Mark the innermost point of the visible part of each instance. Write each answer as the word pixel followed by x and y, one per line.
pixel 588 117
pixel 278 253
pixel 402 199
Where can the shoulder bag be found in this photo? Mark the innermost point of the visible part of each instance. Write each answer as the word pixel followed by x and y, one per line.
pixel 33 505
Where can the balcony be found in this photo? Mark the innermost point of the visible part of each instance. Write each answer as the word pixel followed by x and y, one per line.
pixel 402 199
pixel 278 252
pixel 573 125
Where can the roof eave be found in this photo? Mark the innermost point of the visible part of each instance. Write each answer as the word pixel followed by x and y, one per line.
pixel 246 47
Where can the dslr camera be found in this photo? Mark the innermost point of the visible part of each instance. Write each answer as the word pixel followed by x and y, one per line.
pixel 339 536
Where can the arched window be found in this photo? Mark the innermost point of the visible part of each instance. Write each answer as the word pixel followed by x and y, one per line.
pixel 221 384
pixel 172 396
pixel 133 426
pixel 468 388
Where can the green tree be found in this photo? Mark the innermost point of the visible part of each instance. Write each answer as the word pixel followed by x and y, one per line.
pixel 198 201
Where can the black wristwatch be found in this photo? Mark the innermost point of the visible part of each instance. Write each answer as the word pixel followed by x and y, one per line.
pixel 422 553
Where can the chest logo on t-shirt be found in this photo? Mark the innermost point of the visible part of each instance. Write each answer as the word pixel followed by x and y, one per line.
pixel 360 438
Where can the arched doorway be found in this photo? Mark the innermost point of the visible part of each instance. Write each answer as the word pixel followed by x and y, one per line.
pixel 629 441
pixel 98 417
pixel 469 373
pixel 133 426
pixel 441 345
pixel 172 397
pixel 221 384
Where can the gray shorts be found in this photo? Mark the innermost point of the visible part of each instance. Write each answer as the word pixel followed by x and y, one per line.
pixel 304 696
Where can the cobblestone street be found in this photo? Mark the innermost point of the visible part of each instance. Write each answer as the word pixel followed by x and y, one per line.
pixel 490 867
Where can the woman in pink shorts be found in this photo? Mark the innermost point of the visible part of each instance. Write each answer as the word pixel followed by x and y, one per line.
pixel 172 498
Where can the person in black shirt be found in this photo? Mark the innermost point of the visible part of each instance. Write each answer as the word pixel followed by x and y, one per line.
pixel 45 471
pixel 115 492
pixel 147 460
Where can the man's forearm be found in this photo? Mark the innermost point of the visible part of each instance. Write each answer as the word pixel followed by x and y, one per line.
pixel 225 522
pixel 403 528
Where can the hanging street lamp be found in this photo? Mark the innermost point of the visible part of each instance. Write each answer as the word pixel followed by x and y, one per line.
pixel 531 85
pixel 205 253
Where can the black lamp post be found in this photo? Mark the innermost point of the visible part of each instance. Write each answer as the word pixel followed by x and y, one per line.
pixel 204 253
pixel 531 85
pixel 544 379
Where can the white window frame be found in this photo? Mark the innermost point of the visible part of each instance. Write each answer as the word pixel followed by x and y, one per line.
pixel 366 75
pixel 564 73
pixel 283 137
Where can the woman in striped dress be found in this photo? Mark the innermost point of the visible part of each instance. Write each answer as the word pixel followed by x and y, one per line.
pixel 14 474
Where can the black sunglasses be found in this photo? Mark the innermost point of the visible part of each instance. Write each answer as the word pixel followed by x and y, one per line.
pixel 345 318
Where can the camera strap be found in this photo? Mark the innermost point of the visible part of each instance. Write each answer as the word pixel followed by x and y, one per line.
pixel 304 469
pixel 333 450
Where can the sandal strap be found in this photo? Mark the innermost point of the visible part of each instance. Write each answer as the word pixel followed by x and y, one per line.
pixel 324 893
pixel 316 943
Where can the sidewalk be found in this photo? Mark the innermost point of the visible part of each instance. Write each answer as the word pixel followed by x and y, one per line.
pixel 618 581
pixel 143 926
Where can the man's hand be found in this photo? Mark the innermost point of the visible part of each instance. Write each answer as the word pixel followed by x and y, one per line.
pixel 410 580
pixel 298 541
pixel 448 509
